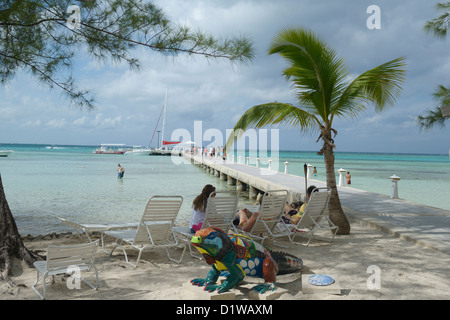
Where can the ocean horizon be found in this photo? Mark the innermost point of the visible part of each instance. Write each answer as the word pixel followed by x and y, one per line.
pixel 44 181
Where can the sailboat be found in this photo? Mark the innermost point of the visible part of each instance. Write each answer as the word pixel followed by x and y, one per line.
pixel 167 146
pixel 145 151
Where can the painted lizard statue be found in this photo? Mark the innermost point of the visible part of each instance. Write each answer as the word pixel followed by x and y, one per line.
pixel 240 256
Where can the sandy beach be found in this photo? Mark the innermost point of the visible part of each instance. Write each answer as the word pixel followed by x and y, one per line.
pixel 406 270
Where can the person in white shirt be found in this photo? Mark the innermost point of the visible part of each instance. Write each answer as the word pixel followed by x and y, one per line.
pixel 199 208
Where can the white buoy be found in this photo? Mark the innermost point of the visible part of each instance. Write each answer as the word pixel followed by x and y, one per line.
pixel 395 179
pixel 308 172
pixel 286 167
pixel 341 177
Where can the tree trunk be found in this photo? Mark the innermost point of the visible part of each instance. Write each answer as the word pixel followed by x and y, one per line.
pixel 337 215
pixel 11 246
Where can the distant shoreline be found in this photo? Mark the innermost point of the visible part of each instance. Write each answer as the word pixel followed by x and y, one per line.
pixel 8 144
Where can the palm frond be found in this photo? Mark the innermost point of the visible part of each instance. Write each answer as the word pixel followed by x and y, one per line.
pixel 317 73
pixel 273 113
pixel 380 86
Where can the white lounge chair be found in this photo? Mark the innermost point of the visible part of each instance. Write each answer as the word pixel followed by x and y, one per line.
pixel 154 230
pixel 312 220
pixel 63 259
pixel 220 212
pixel 88 228
pixel 270 213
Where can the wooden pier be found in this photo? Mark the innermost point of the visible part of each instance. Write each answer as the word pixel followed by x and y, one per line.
pixel 253 179
pixel 422 224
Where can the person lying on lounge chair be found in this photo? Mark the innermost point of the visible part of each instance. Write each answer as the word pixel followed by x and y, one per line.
pixel 245 219
pixel 295 217
pixel 292 212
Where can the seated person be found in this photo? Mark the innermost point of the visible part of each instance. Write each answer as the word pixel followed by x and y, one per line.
pixel 245 219
pixel 294 219
pixel 292 213
pixel 199 208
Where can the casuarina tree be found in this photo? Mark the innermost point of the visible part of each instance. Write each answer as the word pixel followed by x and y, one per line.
pixel 435 117
pixel 43 37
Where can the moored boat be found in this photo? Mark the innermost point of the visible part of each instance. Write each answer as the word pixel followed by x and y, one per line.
pixel 111 148
pixel 5 153
pixel 139 151
pixel 167 146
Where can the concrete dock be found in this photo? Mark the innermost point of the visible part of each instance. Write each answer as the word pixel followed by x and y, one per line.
pixel 424 225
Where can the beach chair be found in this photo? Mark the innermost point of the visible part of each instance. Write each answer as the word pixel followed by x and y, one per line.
pixel 88 228
pixel 270 213
pixel 315 217
pixel 220 212
pixel 154 230
pixel 66 259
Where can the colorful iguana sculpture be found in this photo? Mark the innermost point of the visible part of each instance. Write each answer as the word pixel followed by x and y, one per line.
pixel 241 257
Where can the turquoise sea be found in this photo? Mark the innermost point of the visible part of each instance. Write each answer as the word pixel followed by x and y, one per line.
pixel 42 183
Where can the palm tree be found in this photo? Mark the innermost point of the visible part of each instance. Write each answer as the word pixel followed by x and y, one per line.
pixel 324 92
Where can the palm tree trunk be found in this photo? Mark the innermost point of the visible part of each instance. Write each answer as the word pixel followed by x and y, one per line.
pixel 337 215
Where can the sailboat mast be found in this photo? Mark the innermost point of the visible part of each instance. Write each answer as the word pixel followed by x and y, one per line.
pixel 164 121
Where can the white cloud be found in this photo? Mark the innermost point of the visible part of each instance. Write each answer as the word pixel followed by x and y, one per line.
pixel 217 93
pixel 81 122
pixel 32 123
pixel 106 123
pixel 56 123
pixel 9 112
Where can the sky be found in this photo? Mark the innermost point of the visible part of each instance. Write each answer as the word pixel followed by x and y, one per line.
pixel 212 95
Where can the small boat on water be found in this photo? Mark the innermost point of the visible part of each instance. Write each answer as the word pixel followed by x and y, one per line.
pixel 165 151
pixel 111 148
pixel 139 151
pixel 4 153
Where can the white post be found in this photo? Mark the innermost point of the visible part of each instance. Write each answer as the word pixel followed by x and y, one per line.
pixel 247 160
pixel 270 164
pixel 257 162
pixel 341 177
pixel 394 193
pixel 308 172
pixel 286 167
pixel 239 161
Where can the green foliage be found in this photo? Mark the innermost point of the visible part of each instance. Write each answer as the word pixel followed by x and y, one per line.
pixel 434 118
pixel 439 25
pixel 35 37
pixel 322 85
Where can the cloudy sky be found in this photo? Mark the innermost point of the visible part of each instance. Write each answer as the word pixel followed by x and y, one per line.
pixel 218 93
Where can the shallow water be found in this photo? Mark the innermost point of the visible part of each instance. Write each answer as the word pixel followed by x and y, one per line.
pixel 72 182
